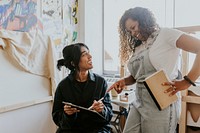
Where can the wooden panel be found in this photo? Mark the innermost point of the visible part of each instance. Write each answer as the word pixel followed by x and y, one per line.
pixel 25 104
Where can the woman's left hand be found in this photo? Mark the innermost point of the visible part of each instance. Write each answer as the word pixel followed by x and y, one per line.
pixel 175 86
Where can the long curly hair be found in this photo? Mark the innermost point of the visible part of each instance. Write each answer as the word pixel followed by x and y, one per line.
pixel 147 25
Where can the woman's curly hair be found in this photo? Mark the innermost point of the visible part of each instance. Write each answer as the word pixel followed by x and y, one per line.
pixel 147 25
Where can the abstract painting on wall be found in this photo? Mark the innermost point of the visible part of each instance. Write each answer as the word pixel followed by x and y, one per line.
pixel 19 15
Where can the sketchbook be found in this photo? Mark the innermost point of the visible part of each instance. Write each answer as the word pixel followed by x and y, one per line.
pixel 154 86
pixel 89 111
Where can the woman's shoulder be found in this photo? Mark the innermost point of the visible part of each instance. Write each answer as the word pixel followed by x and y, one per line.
pixel 64 81
pixel 169 31
pixel 98 76
pixel 169 35
pixel 95 77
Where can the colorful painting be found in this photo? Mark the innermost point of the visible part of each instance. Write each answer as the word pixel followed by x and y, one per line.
pixel 56 18
pixel 19 15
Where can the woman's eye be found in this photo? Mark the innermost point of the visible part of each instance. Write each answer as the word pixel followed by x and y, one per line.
pixel 133 28
pixel 85 54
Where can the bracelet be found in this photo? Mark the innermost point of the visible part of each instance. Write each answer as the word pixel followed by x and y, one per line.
pixel 189 81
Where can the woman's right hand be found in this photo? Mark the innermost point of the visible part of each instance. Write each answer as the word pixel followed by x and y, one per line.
pixel 118 86
pixel 69 110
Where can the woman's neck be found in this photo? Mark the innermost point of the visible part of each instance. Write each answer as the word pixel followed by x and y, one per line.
pixel 82 76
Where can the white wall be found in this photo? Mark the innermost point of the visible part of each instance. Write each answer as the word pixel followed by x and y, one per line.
pixel 90 30
pixel 25 101
pixel 19 86
pixel 33 119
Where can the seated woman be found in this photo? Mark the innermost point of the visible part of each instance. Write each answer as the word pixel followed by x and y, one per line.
pixel 83 88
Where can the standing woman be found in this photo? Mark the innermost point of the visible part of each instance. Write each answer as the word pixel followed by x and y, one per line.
pixel 83 88
pixel 149 48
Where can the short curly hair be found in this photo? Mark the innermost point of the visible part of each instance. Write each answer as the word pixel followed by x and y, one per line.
pixel 147 25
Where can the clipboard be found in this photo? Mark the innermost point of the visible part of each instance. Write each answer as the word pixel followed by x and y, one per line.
pixel 90 112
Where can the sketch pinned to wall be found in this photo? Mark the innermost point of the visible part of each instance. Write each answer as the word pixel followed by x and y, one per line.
pixel 19 15
pixel 54 29
pixel 52 20
pixel 52 9
pixel 70 21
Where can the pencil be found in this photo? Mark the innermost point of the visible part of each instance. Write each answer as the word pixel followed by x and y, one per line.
pixel 101 99
pixel 97 101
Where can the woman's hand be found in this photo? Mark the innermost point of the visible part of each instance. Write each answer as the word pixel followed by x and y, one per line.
pixel 118 86
pixel 69 110
pixel 97 106
pixel 175 86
